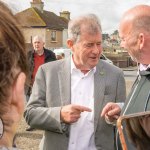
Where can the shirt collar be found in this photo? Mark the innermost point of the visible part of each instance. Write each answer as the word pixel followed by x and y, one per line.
pixel 143 67
pixel 74 67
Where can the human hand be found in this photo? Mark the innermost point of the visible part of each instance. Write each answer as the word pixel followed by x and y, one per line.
pixel 111 111
pixel 71 113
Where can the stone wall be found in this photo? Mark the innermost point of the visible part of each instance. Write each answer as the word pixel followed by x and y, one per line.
pixel 122 60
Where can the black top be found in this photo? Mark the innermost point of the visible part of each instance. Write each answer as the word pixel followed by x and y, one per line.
pixel 49 56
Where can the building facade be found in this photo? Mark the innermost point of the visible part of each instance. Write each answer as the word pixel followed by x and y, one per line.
pixel 37 21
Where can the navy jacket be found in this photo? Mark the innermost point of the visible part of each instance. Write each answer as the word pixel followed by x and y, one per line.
pixel 49 56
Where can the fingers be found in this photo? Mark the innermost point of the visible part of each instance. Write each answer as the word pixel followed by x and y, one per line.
pixel 111 109
pixel 114 112
pixel 111 113
pixel 81 108
pixel 106 109
pixel 71 113
pixel 75 118
pixel 111 120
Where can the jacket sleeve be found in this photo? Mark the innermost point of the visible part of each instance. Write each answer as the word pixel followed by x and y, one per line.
pixel 53 56
pixel 37 113
pixel 49 55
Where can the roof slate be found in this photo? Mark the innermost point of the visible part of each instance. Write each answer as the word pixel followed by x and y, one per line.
pixel 32 17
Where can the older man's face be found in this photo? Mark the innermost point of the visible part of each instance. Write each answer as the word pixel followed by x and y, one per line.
pixel 87 51
pixel 38 45
pixel 129 41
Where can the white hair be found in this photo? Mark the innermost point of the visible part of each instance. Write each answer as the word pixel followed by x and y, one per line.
pixel 37 38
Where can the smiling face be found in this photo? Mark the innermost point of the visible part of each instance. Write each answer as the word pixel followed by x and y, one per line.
pixel 87 50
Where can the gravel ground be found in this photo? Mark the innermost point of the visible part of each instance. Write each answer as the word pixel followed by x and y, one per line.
pixel 30 140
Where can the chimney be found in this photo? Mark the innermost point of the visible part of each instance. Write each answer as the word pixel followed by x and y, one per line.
pixel 65 14
pixel 37 4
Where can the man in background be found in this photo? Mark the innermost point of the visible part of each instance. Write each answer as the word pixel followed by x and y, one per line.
pixel 36 57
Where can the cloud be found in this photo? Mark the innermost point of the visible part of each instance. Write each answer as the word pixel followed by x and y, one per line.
pixel 109 11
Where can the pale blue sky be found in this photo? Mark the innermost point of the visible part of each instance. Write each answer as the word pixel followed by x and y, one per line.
pixel 109 11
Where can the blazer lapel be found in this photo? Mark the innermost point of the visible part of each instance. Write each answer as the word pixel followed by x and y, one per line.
pixel 99 89
pixel 64 77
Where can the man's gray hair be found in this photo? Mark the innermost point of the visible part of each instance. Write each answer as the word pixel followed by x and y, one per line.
pixel 88 23
pixel 37 38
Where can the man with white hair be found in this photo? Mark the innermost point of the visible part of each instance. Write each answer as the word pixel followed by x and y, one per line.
pixel 36 57
pixel 72 92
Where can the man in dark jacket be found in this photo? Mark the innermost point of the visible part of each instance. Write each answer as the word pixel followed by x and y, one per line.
pixel 134 32
pixel 36 57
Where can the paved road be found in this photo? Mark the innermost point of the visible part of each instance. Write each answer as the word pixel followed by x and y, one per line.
pixel 130 75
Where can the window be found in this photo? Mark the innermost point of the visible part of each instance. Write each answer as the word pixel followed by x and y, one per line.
pixel 53 35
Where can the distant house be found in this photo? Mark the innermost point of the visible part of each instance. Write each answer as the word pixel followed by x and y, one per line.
pixel 115 36
pixel 105 36
pixel 36 21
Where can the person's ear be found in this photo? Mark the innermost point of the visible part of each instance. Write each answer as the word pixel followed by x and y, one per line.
pixel 141 40
pixel 18 92
pixel 70 43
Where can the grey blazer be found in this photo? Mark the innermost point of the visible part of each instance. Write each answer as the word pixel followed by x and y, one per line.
pixel 52 90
